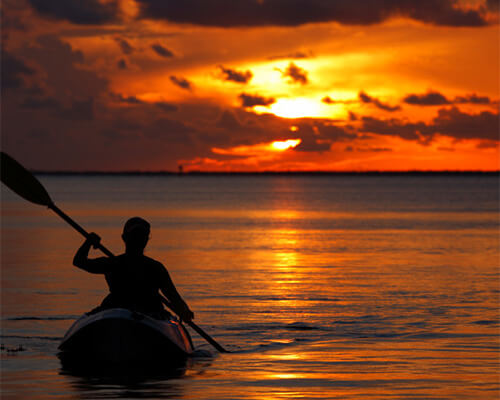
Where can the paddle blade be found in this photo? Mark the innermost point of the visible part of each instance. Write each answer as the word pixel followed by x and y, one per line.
pixel 22 182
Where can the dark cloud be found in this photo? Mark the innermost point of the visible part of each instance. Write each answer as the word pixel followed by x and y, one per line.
pixel 493 5
pixel 487 145
pixel 296 74
pixel 80 110
pixel 126 99
pixel 62 72
pixel 125 46
pixel 431 98
pixel 162 51
pixel 396 127
pixel 247 13
pixel 328 100
pixel 173 129
pixel 36 103
pixel 374 149
pixel 228 121
pixel 236 76
pixel 351 149
pixel 251 100
pixel 168 107
pixel 81 12
pixel 13 71
pixel 472 99
pixel 181 82
pixel 133 100
pixel 77 110
pixel 310 144
pixel 318 135
pixel 334 132
pixel 452 122
pixel 296 56
pixel 121 64
pixel 449 122
pixel 377 103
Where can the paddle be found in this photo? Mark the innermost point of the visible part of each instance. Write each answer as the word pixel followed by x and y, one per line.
pixel 24 183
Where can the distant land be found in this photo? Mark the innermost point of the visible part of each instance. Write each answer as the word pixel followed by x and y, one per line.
pixel 271 173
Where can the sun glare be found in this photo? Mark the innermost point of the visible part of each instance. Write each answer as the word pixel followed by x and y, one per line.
pixel 295 108
pixel 285 144
pixel 302 108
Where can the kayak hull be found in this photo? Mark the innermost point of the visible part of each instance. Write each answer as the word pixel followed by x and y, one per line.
pixel 121 336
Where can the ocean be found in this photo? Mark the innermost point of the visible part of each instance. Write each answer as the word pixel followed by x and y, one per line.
pixel 321 286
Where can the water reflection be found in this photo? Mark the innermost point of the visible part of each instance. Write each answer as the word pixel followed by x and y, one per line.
pixel 139 381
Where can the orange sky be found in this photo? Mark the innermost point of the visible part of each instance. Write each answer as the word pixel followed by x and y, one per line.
pixel 210 85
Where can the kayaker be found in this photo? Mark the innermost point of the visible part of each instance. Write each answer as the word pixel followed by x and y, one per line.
pixel 134 279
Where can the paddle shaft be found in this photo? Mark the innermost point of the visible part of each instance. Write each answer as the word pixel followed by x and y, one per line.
pixel 82 231
pixel 197 329
pixel 70 221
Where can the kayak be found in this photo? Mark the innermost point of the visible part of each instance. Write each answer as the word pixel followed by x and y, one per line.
pixel 121 336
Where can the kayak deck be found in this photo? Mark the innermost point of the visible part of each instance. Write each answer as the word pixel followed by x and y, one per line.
pixel 119 335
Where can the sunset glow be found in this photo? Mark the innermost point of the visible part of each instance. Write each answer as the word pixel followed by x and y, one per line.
pixel 286 144
pixel 381 87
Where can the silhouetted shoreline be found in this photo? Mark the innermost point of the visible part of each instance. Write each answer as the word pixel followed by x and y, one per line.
pixel 271 173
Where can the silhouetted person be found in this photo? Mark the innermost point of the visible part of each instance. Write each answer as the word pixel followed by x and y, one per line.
pixel 133 278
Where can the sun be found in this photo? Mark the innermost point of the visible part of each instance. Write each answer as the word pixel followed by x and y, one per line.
pixel 301 107
pixel 285 144
pixel 295 108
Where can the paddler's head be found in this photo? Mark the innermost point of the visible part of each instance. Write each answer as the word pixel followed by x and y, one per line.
pixel 136 235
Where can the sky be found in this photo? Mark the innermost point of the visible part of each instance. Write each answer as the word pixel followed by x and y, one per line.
pixel 251 85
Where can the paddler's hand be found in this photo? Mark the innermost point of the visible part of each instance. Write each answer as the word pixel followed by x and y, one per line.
pixel 94 239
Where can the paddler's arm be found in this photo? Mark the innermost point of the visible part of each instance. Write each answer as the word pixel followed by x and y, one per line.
pixel 82 260
pixel 170 292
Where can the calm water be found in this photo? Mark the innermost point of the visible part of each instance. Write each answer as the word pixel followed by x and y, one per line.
pixel 326 287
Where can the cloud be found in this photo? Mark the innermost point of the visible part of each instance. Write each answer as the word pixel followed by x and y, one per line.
pixel 377 103
pixel 251 100
pixel 351 149
pixel 296 74
pixel 14 71
pixel 80 110
pixel 473 99
pixel 77 110
pixel 181 82
pixel 297 56
pixel 162 51
pixel 36 103
pixel 133 100
pixel 236 76
pixel 248 13
pixel 487 145
pixel 80 12
pixel 173 129
pixel 328 100
pixel 452 122
pixel 319 135
pixel 228 121
pixel 493 5
pixel 166 106
pixel 334 132
pixel 310 144
pixel 125 46
pixel 449 122
pixel 121 64
pixel 433 98
pixel 126 99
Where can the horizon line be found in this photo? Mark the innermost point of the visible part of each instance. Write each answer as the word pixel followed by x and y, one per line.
pixel 291 172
